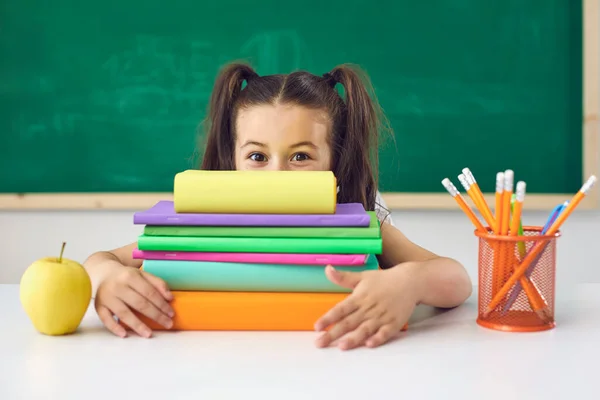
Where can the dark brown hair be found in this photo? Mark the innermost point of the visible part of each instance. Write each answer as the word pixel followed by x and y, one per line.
pixel 355 119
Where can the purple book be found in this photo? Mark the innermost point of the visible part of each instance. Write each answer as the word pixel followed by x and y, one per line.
pixel 163 213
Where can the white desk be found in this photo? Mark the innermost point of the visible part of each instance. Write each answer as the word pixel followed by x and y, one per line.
pixel 443 356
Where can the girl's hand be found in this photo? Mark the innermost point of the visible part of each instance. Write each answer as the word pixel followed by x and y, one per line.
pixel 127 288
pixel 379 306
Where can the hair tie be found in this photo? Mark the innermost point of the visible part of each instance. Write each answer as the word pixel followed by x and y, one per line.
pixel 329 79
pixel 249 74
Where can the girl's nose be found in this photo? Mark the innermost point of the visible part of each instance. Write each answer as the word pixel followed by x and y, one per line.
pixel 278 164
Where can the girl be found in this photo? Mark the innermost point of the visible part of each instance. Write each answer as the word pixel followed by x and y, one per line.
pixel 299 122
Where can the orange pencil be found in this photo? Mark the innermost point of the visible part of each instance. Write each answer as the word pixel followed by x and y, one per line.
pixel 506 196
pixel 495 246
pixel 585 189
pixel 473 195
pixel 499 195
pixel 538 304
pixel 538 247
pixel 484 208
pixel 463 204
pixel 498 211
pixel 504 258
pixel 463 181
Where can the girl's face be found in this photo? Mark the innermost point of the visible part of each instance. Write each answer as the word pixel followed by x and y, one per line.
pixel 282 137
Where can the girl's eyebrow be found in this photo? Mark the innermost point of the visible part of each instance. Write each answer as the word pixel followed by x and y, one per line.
pixel 259 144
pixel 251 142
pixel 306 143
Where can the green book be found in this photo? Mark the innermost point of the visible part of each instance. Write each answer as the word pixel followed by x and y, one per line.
pixel 372 231
pixel 261 244
pixel 249 277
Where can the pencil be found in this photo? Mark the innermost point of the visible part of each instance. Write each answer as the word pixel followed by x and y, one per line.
pixel 538 247
pixel 499 193
pixel 508 191
pixel 465 184
pixel 537 302
pixel 503 247
pixel 484 208
pixel 463 204
pixel 496 249
pixel 585 189
pixel 517 208
pixel 520 244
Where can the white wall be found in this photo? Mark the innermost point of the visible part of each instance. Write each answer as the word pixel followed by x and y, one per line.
pixel 27 236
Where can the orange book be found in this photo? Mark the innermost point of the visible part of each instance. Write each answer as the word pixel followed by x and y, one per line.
pixel 250 311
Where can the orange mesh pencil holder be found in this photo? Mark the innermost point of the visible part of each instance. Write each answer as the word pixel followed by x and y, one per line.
pixel 529 304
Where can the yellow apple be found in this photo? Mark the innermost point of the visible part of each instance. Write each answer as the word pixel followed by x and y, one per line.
pixel 55 293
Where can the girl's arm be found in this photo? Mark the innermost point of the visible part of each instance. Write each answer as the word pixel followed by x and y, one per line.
pixel 103 263
pixel 382 301
pixel 441 281
pixel 120 288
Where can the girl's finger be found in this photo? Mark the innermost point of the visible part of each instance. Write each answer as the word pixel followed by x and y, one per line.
pixel 359 335
pixel 141 304
pixel 337 313
pixel 107 319
pixel 144 287
pixel 347 324
pixel 159 284
pixel 385 333
pixel 127 317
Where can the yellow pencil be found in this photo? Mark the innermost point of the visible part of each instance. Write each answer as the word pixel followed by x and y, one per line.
pixel 463 204
pixel 497 247
pixel 463 181
pixel 504 223
pixel 506 196
pixel 538 247
pixel 484 208
pixel 498 211
pixel 499 195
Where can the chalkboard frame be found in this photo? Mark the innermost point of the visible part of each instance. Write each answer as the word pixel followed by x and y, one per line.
pixel 396 201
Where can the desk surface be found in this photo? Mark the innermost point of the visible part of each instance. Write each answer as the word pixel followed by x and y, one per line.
pixel 444 355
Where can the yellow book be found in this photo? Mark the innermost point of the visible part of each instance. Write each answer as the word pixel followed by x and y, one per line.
pixel 255 192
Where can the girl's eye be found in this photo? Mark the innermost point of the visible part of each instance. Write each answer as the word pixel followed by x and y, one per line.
pixel 257 157
pixel 300 157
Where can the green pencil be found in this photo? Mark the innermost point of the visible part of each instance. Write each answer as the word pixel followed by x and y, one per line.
pixel 520 245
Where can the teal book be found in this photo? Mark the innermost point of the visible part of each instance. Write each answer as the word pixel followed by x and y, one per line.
pixel 246 277
pixel 261 245
pixel 371 231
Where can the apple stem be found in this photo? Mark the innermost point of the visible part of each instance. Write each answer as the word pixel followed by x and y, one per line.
pixel 61 252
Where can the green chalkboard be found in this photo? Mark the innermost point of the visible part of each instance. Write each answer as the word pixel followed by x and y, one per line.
pixel 106 96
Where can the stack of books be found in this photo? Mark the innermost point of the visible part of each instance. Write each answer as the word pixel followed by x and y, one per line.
pixel 254 271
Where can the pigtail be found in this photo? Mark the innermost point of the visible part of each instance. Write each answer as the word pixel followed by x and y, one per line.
pixel 357 157
pixel 218 125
